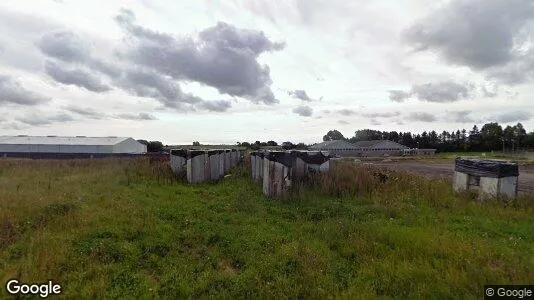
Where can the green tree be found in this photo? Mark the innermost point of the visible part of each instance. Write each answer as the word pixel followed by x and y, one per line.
pixel 492 136
pixel 333 135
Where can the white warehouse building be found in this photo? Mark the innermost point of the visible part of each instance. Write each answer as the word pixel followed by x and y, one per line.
pixel 70 144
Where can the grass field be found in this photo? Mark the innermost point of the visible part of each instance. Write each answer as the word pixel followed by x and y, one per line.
pixel 128 229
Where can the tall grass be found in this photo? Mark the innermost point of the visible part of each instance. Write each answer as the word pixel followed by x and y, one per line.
pixel 123 228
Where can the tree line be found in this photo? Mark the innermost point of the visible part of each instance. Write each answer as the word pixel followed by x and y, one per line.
pixel 492 136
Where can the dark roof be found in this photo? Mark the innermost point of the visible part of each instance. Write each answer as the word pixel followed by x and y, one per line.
pixel 366 144
pixel 336 144
pixel 372 143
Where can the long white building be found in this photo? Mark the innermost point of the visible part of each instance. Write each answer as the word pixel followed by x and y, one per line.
pixel 70 144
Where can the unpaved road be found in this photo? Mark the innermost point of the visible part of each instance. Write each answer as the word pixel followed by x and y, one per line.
pixel 446 169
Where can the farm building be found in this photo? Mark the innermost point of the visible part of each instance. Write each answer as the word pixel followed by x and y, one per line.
pixel 338 147
pixel 381 148
pixel 68 144
pixel 369 148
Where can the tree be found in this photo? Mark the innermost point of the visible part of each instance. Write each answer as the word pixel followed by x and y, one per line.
pixel 144 142
pixel 272 143
pixel 509 135
pixel 288 145
pixel 245 144
pixel 491 136
pixel 154 146
pixel 301 146
pixel 519 135
pixel 333 135
pixel 196 143
pixel 475 139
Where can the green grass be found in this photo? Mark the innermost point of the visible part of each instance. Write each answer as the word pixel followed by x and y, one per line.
pixel 128 229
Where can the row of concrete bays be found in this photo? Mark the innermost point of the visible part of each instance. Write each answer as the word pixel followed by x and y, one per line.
pixel 204 165
pixel 277 169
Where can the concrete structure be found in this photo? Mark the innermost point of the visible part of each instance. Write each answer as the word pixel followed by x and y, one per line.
pixel 196 164
pixel 380 148
pixel 280 168
pixel 221 163
pixel 213 162
pixel 67 144
pixel 489 178
pixel 338 148
pixel 227 160
pixel 178 161
pixel 256 165
pixel 372 148
pixel 276 173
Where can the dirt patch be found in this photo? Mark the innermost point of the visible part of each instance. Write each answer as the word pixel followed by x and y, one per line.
pixel 446 169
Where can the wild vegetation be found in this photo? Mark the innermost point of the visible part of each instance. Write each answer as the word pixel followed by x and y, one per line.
pixel 127 228
pixel 490 137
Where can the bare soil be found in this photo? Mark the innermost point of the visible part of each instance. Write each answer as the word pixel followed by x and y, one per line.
pixel 433 169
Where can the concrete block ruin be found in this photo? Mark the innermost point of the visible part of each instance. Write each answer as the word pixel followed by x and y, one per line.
pixel 178 161
pixel 227 161
pixel 280 168
pixel 213 162
pixel 202 165
pixel 256 164
pixel 489 178
pixel 196 164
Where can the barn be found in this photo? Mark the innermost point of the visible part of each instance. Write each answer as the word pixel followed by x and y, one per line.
pixel 369 148
pixel 338 148
pixel 381 148
pixel 70 144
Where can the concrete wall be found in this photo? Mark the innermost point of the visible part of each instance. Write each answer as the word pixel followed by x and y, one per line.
pixel 213 156
pixel 178 161
pixel 201 165
pixel 488 187
pixel 196 163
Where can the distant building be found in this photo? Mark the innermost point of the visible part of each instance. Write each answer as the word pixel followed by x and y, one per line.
pixel 338 147
pixel 70 144
pixel 381 148
pixel 369 148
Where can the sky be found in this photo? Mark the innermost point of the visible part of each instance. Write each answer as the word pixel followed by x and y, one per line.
pixel 230 71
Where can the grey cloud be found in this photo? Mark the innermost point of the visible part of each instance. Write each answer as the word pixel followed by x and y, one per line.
pixel 300 94
pixel 65 46
pixel 137 117
pixel 12 92
pixel 303 111
pixel 343 122
pixel 223 57
pixel 85 111
pixel 445 91
pixel 346 112
pixel 39 119
pixel 217 105
pixel 381 115
pixel 144 83
pixel 460 117
pixel 399 96
pixel 513 116
pixel 480 34
pixel 422 117
pixel 326 111
pixel 375 122
pixel 14 126
pixel 77 77
pixel 69 47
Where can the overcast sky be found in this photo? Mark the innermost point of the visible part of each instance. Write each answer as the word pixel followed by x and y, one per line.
pixel 245 70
